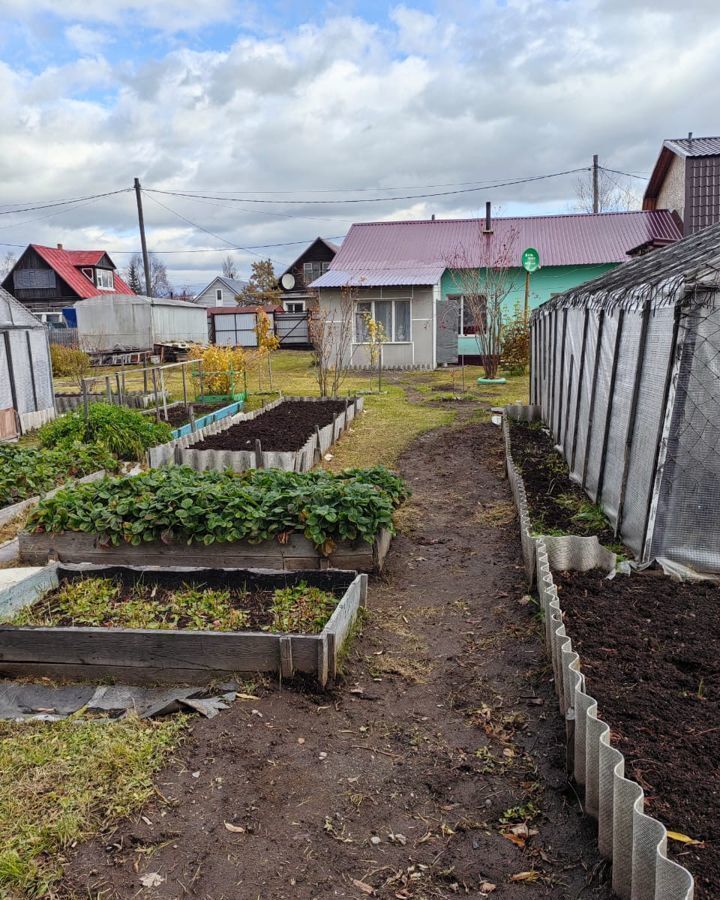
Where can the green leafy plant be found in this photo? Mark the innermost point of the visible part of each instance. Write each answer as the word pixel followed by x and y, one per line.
pixel 26 472
pixel 301 609
pixel 179 504
pixel 125 432
pixel 516 343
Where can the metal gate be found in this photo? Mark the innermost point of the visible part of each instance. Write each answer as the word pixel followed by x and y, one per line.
pixel 292 329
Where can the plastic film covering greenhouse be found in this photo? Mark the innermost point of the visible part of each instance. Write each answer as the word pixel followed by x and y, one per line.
pixel 626 372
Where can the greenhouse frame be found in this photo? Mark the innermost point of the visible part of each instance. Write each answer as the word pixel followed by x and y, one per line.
pixel 626 373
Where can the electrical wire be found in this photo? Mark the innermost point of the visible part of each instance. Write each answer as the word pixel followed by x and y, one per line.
pixel 626 174
pixel 371 199
pixel 9 212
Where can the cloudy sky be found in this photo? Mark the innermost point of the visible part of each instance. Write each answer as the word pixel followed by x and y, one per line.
pixel 320 104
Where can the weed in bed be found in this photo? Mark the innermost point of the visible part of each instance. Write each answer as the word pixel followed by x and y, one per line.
pixel 301 609
pixel 63 781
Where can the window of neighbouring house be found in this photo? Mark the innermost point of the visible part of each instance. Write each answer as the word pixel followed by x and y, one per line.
pixel 104 279
pixel 466 313
pixel 313 270
pixel 294 306
pixel 393 315
pixel 219 296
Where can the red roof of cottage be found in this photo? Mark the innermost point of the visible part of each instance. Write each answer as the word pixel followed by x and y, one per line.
pixel 68 263
pixel 418 252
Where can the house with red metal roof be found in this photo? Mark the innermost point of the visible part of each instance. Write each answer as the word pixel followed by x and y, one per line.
pixel 45 279
pixel 404 274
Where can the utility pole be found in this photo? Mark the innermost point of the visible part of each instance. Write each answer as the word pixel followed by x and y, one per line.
pixel 143 243
pixel 596 190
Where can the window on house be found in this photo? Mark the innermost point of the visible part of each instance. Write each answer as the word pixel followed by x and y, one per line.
pixel 294 306
pixel 104 279
pixel 393 315
pixel 219 296
pixel 313 270
pixel 466 313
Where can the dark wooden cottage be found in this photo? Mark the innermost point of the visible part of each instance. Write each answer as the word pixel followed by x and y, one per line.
pixel 313 262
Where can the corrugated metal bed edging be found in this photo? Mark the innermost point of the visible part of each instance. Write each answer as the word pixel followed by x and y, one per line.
pixel 635 842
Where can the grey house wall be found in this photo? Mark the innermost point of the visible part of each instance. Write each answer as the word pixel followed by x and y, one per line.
pixel 208 298
pixel 672 193
pixel 415 353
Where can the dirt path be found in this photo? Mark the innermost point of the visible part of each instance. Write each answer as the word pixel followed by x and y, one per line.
pixel 444 734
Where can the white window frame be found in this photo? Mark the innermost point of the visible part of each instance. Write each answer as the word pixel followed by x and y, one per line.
pixel 391 300
pixel 460 299
pixel 219 296
pixel 298 306
pixel 107 276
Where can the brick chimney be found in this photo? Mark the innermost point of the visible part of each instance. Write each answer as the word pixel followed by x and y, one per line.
pixel 60 246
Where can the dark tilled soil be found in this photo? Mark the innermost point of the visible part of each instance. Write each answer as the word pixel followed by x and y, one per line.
pixel 552 496
pixel 400 782
pixel 649 648
pixel 284 428
pixel 178 415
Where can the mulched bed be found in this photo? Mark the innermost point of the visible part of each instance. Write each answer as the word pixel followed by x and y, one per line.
pixel 179 415
pixel 284 428
pixel 553 498
pixel 649 649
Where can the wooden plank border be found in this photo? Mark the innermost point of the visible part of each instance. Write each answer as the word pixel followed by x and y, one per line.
pixel 165 655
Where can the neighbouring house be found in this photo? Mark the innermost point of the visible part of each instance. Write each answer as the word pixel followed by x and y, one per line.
pixel 131 322
pixel 26 386
pixel 235 326
pixel 47 279
pixel 686 180
pixel 313 262
pixel 404 274
pixel 222 291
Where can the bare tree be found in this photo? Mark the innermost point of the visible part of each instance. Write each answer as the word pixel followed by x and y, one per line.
pixel 229 266
pixel 6 264
pixel 330 333
pixel 484 276
pixel 159 282
pixel 615 193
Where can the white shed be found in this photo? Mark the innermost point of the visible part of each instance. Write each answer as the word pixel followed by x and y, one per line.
pixel 26 388
pixel 134 322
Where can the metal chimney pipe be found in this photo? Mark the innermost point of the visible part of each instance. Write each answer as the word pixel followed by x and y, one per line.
pixel 488 217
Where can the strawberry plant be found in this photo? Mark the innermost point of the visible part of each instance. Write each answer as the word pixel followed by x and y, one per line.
pixel 27 472
pixel 178 504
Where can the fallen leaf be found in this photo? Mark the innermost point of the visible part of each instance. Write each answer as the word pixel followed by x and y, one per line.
pixel 683 838
pixel 301 740
pixel 152 879
pixel 397 838
pixel 236 829
pixel 245 697
pixel 515 839
pixel 532 875
pixel 520 830
pixel 362 886
pixel 487 887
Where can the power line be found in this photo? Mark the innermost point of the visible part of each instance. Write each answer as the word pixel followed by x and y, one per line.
pixel 337 237
pixel 626 174
pixel 9 212
pixel 370 199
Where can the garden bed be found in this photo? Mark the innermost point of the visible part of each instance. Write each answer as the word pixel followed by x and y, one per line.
pixel 557 505
pixel 286 434
pixel 176 516
pixel 648 648
pixel 199 623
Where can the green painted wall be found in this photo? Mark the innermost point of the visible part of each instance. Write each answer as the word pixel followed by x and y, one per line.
pixel 543 284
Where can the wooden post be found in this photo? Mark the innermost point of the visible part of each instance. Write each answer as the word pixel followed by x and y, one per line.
pixel 163 393
pixel 317 440
pixel 108 389
pixel 122 381
pixel 86 402
pixel 527 297
pixel 118 388
pixel 145 379
pixel 200 376
pixel 155 392
pixel 286 657
pixel 258 455
pixel 184 382
pixel 191 412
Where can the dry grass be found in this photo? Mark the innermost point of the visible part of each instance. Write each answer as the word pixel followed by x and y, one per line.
pixel 495 515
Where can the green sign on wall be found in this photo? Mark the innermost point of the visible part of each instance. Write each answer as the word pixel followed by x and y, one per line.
pixel 530 259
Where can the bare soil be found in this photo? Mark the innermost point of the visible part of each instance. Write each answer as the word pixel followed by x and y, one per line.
pixel 552 497
pixel 179 415
pixel 405 781
pixel 287 427
pixel 649 649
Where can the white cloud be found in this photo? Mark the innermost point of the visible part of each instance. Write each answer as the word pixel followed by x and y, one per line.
pixel 470 93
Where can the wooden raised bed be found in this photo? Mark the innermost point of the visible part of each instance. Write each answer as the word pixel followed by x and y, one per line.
pixel 182 452
pixel 297 554
pixel 135 655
